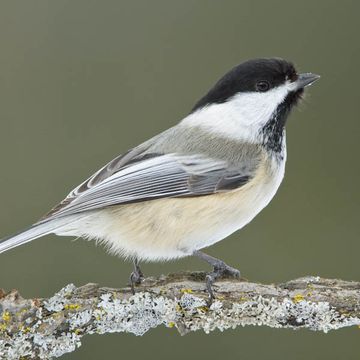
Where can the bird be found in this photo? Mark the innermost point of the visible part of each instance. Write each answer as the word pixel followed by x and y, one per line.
pixel 193 184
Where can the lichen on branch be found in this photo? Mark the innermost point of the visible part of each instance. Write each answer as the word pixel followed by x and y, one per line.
pixel 47 328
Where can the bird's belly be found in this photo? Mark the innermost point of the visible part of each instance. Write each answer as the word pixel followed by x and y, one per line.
pixel 174 227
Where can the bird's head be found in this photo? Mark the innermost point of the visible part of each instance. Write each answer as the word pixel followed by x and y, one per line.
pixel 257 93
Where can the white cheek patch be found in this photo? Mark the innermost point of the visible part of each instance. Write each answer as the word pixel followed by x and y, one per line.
pixel 242 116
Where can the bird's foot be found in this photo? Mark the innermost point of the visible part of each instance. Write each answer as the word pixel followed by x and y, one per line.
pixel 220 272
pixel 136 277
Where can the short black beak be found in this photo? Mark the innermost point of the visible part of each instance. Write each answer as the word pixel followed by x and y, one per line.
pixel 306 79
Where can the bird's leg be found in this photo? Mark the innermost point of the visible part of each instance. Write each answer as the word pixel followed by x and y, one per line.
pixel 220 270
pixel 136 276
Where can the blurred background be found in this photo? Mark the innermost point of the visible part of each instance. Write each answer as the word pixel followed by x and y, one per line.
pixel 82 81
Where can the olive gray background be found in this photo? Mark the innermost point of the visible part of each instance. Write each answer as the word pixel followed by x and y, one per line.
pixel 82 81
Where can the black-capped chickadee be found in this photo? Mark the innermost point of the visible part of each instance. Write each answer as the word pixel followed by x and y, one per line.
pixel 195 183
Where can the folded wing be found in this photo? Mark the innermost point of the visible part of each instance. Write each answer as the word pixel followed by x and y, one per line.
pixel 152 176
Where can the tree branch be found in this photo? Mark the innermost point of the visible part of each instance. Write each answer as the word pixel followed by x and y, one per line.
pixel 45 328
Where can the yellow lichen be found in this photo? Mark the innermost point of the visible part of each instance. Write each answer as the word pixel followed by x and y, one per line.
pixel 25 329
pixel 6 316
pixel 298 298
pixel 77 331
pixel 186 291
pixel 3 327
pixel 203 309
pixel 171 324
pixel 72 306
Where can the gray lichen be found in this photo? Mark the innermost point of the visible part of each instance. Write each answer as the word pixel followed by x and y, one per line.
pixel 49 328
pixel 270 312
pixel 136 315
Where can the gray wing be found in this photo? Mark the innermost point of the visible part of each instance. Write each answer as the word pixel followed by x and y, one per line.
pixel 152 176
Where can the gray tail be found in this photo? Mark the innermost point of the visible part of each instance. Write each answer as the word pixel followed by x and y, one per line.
pixel 33 232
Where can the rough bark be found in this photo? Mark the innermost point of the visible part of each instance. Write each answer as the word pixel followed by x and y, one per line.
pixel 47 328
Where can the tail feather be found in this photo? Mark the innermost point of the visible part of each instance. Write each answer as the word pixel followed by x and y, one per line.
pixel 33 232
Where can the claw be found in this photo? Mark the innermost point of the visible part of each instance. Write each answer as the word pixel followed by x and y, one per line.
pixel 221 270
pixel 135 277
pixel 209 283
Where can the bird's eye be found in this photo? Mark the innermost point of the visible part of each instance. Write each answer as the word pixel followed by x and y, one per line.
pixel 262 86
